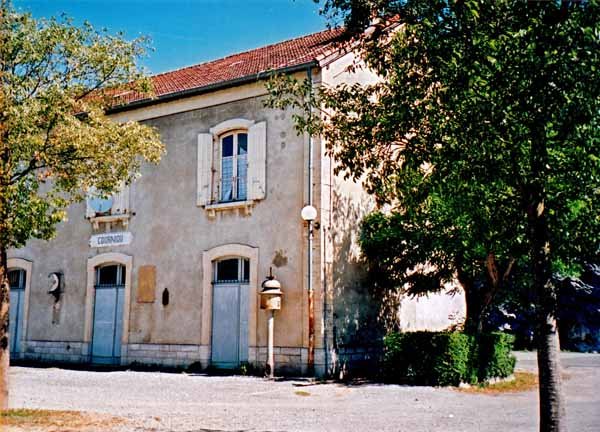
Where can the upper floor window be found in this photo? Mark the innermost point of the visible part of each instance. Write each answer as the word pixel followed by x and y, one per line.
pixel 108 209
pixel 115 204
pixel 234 167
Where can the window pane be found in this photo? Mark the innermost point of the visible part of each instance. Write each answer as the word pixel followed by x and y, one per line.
pixel 242 170
pixel 227 270
pixel 227 149
pixel 242 144
pixel 227 179
pixel 107 275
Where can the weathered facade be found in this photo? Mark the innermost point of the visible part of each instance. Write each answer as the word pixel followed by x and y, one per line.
pixel 168 272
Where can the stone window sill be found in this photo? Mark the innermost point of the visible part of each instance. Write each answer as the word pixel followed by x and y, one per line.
pixel 245 206
pixel 109 220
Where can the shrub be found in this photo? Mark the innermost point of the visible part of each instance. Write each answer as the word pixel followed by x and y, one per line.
pixel 446 358
pixel 495 356
pixel 451 360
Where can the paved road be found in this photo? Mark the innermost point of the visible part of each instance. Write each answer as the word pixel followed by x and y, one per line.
pixel 180 402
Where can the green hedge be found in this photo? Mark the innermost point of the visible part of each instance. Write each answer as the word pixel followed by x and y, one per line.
pixel 446 358
pixel 495 356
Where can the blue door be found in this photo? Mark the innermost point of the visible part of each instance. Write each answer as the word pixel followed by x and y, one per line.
pixel 17 279
pixel 108 314
pixel 226 324
pixel 230 313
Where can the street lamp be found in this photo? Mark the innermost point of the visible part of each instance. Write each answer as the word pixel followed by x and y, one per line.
pixel 308 213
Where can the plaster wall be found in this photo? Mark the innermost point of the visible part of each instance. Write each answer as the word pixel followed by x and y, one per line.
pixel 433 312
pixel 349 313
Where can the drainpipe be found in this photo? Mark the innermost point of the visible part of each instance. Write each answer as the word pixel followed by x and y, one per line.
pixel 311 299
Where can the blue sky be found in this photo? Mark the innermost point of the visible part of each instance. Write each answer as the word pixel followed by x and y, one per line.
pixel 186 32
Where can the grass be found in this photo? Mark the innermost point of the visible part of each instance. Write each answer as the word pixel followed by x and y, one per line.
pixel 302 393
pixel 41 420
pixel 524 381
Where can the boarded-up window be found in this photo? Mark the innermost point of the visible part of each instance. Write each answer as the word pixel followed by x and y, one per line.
pixel 146 284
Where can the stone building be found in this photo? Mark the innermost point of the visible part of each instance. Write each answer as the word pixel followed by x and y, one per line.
pixel 168 272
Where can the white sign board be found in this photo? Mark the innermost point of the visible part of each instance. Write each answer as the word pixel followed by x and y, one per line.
pixel 110 239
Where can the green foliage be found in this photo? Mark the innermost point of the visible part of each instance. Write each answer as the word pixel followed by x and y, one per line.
pixel 427 358
pixel 486 118
pixel 446 358
pixel 56 143
pixel 495 355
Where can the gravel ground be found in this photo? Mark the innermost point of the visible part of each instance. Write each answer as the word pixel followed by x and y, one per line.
pixel 182 402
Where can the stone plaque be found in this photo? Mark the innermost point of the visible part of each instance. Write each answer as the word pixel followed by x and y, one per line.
pixel 146 284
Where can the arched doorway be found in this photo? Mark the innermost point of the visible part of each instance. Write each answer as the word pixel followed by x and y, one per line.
pixel 231 285
pixel 17 279
pixel 107 328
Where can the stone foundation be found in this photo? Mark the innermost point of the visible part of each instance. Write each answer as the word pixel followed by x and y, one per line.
pixel 345 361
pixel 357 361
pixel 288 360
pixel 169 355
pixel 55 351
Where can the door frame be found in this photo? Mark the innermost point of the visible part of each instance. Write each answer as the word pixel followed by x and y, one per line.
pixel 92 264
pixel 21 263
pixel 232 250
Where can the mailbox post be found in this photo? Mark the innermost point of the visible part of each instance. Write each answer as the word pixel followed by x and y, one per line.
pixel 270 299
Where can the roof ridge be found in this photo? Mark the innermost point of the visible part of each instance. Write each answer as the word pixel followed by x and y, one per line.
pixel 244 52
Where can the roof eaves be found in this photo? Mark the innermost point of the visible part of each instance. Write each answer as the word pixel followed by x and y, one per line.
pixel 209 88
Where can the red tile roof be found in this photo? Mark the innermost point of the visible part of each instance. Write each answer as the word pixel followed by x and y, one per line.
pixel 245 65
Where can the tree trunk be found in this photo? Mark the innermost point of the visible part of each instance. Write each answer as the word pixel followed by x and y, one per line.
pixel 552 408
pixel 4 284
pixel 4 345
pixel 4 206
pixel 473 318
pixel 466 282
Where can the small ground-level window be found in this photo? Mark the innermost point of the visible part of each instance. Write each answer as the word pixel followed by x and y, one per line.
pixel 231 270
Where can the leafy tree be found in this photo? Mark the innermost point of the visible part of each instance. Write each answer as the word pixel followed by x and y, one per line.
pixel 482 135
pixel 55 141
